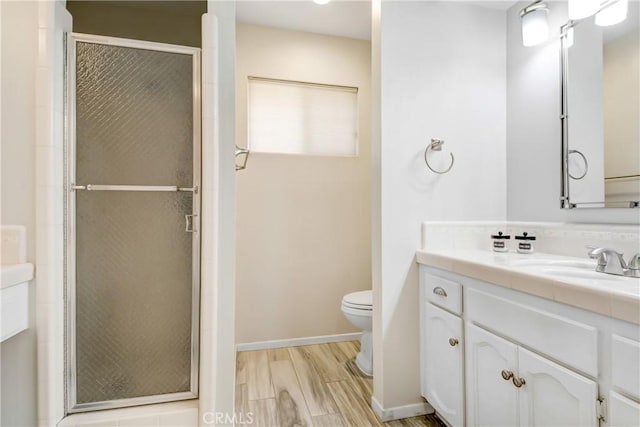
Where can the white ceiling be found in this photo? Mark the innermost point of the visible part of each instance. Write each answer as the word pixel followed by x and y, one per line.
pixel 345 18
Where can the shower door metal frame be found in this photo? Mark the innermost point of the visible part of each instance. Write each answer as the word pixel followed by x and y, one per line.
pixel 70 188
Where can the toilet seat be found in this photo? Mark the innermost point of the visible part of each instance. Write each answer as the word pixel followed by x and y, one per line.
pixel 362 300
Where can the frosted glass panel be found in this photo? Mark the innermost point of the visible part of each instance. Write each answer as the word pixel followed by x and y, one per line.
pixel 133 294
pixel 134 261
pixel 134 116
pixel 299 118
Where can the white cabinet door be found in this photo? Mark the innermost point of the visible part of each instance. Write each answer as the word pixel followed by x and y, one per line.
pixel 443 364
pixel 492 400
pixel 553 395
pixel 625 365
pixel 623 412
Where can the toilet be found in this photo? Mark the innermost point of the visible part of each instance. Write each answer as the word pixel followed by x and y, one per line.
pixel 358 308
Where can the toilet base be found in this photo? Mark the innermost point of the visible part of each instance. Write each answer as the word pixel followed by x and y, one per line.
pixel 364 359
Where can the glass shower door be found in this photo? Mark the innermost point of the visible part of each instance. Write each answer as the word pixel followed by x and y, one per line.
pixel 132 256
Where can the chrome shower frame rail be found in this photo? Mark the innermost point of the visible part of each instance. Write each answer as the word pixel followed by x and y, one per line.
pixel 564 116
pixel 71 405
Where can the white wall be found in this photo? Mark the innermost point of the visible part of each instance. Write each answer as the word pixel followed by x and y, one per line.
pixel 217 324
pixel 18 354
pixel 442 76
pixel 533 129
pixel 303 221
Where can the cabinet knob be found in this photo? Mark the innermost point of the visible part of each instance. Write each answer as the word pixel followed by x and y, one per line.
pixel 439 291
pixel 506 375
pixel 453 342
pixel 518 382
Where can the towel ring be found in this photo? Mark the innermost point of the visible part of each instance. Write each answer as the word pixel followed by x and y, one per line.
pixel 436 145
pixel 586 165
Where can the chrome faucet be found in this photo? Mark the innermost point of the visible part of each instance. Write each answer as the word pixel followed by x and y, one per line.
pixel 609 261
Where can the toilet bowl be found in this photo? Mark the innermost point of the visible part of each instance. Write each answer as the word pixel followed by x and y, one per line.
pixel 358 309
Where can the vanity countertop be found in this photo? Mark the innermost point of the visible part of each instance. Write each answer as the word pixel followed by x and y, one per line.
pixel 15 273
pixel 564 279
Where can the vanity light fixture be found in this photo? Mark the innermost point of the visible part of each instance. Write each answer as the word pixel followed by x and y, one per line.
pixel 321 2
pixel 580 9
pixel 535 28
pixel 612 12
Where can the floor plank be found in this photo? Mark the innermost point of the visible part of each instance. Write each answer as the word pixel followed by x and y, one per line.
pixel 345 350
pixel 241 367
pixel 296 386
pixel 328 366
pixel 331 420
pixel 242 402
pixel 258 375
pixel 279 354
pixel 360 380
pixel 316 392
pixel 263 413
pixel 290 402
pixel 355 411
pixel 423 421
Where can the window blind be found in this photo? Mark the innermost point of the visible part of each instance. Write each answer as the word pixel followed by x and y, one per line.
pixel 302 118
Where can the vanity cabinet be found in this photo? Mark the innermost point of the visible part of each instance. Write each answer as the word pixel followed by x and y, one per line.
pixel 623 411
pixel 553 395
pixel 625 379
pixel 491 363
pixel 510 385
pixel 442 344
pixel 522 360
pixel 443 383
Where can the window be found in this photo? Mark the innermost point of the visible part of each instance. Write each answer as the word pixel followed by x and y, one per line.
pixel 302 118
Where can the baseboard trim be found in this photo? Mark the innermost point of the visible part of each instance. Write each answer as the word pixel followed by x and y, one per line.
pixel 399 412
pixel 295 342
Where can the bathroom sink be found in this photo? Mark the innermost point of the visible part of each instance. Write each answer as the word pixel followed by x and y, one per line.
pixel 566 263
pixel 573 273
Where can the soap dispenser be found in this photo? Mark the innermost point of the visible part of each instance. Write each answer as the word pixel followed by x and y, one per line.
pixel 525 243
pixel 500 241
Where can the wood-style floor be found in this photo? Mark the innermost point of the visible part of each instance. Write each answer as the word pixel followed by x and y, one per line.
pixel 315 385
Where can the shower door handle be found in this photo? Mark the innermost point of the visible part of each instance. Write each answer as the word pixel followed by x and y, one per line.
pixel 242 152
pixel 167 188
pixel 189 223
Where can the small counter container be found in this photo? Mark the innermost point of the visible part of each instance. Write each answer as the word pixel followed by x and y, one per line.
pixel 500 241
pixel 525 243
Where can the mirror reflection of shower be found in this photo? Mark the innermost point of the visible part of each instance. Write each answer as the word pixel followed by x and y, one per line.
pixel 603 105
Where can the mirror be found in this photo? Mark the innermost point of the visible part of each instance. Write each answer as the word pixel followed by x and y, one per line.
pixel 601 113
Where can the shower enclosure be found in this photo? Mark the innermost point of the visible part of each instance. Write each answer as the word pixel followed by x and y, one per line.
pixel 132 257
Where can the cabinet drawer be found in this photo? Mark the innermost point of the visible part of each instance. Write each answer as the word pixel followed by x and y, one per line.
pixel 441 292
pixel 625 365
pixel 565 340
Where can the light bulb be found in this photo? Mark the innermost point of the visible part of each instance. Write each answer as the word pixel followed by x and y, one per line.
pixel 535 28
pixel 613 14
pixel 321 1
pixel 580 9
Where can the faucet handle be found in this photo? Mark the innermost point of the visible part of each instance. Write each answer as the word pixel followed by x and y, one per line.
pixel 634 266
